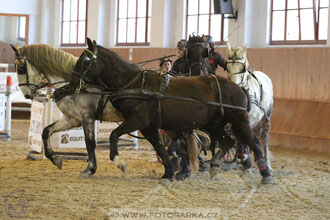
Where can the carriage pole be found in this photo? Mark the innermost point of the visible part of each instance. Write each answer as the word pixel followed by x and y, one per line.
pixel 48 107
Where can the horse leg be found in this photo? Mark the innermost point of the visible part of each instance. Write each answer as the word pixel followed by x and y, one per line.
pixel 226 143
pixel 62 124
pixel 89 131
pixel 172 150
pixel 244 157
pixel 245 135
pixel 129 125
pixel 185 165
pixel 265 142
pixel 152 136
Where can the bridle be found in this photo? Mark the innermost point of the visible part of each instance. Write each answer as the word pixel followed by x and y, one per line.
pixel 201 58
pixel 92 60
pixel 234 61
pixel 22 70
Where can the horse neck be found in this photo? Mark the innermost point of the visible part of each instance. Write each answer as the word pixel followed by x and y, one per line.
pixel 55 79
pixel 117 71
pixel 53 71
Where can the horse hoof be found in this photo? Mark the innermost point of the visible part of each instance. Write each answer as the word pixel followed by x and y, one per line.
pixel 122 167
pixel 181 176
pixel 57 161
pixel 270 169
pixel 121 164
pixel 85 174
pixel 267 180
pixel 203 169
pixel 247 163
pixel 167 176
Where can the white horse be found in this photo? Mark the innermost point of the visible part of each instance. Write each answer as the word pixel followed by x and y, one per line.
pixel 79 109
pixel 260 89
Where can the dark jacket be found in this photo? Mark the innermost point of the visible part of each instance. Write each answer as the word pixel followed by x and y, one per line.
pixel 215 59
pixel 176 68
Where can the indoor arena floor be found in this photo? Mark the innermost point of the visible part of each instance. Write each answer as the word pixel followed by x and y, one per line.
pixel 38 190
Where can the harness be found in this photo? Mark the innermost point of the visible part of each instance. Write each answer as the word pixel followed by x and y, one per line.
pixel 146 94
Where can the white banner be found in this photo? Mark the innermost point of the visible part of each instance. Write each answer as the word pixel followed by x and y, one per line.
pixel 36 127
pixel 73 138
pixel 2 111
pixel 17 95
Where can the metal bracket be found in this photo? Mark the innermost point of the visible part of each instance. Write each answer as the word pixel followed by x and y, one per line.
pixel 234 16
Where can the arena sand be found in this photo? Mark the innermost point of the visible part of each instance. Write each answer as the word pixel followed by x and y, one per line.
pixel 38 190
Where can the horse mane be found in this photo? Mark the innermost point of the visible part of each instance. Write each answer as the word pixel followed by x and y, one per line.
pixel 195 39
pixel 50 60
pixel 119 63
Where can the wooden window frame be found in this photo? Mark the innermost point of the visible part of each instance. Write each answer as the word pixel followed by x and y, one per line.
pixel 27 25
pixel 297 42
pixel 147 17
pixel 86 21
pixel 222 38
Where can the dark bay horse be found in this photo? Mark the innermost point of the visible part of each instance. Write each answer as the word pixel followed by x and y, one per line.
pixel 184 104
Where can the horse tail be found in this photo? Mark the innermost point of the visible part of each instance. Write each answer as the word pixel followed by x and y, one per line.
pixel 193 151
pixel 248 97
pixel 203 137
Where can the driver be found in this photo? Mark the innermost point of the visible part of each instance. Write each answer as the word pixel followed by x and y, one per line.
pixel 214 57
pixel 176 69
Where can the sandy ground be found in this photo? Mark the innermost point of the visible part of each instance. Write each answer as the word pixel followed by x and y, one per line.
pixel 38 190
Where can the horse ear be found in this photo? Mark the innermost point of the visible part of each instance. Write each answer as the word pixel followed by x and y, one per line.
pixel 229 51
pixel 94 42
pixel 245 49
pixel 15 50
pixel 89 43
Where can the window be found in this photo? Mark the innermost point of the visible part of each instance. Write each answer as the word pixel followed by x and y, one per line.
pixel 74 22
pixel 299 21
pixel 21 28
pixel 133 22
pixel 201 20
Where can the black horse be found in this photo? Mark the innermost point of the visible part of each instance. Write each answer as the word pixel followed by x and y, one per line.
pixel 195 62
pixel 185 104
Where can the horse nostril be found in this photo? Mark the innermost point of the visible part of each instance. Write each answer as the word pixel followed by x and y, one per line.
pixel 27 96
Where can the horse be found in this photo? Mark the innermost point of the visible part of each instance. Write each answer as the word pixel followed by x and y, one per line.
pixel 260 89
pixel 79 109
pixel 34 62
pixel 147 105
pixel 195 62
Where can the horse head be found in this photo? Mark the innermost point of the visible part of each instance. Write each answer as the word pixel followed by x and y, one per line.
pixel 237 63
pixel 89 64
pixel 194 60
pixel 28 75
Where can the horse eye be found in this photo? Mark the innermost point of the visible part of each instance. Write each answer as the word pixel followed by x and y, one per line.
pixel 21 69
pixel 86 61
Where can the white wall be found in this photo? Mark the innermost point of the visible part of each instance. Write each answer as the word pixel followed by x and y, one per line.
pixel 167 22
